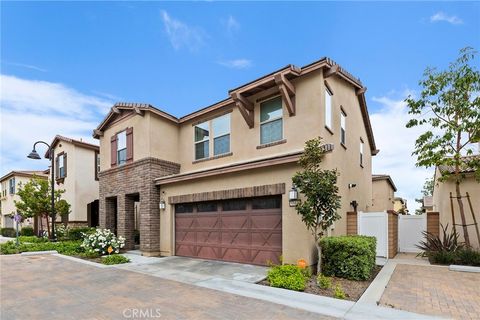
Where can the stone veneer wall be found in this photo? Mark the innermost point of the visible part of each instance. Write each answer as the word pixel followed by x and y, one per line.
pixel 124 182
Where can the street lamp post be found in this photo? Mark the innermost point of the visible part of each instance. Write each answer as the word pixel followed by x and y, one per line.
pixel 36 156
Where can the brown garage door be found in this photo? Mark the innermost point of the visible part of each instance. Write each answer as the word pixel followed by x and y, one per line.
pixel 238 230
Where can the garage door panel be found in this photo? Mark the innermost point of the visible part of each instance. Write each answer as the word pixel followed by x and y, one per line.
pixel 252 235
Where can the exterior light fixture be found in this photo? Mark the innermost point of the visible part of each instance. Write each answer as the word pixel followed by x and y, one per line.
pixel 293 196
pixel 162 205
pixel 352 185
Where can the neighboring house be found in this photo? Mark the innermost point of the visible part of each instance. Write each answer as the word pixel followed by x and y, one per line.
pixel 427 204
pixel 214 184
pixel 383 193
pixel 10 184
pixel 400 205
pixel 442 203
pixel 76 171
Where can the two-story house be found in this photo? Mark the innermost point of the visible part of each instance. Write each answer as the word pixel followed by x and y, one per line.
pixel 383 193
pixel 76 171
pixel 10 183
pixel 214 184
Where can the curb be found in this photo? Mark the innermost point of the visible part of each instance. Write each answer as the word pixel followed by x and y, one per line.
pixel 459 268
pixel 37 253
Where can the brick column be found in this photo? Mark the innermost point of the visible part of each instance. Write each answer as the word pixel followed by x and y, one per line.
pixel 107 213
pixel 150 221
pixel 125 220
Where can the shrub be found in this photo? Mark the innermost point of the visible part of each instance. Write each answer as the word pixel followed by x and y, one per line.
pixel 8 232
pixel 447 242
pixel 61 231
pixel 89 255
pixel 78 233
pixel 101 240
pixel 350 257
pixel 287 276
pixel 70 248
pixel 31 239
pixel 468 257
pixel 338 292
pixel 324 282
pixel 115 259
pixel 27 231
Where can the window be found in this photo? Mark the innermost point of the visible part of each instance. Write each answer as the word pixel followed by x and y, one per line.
pixel 219 130
pixel 221 135
pixel 343 122
pixel 207 207
pixel 234 205
pixel 122 147
pixel 328 108
pixel 61 166
pixel 271 122
pixel 184 208
pixel 97 164
pixel 361 152
pixel 267 203
pixel 4 189
pixel 202 140
pixel 11 185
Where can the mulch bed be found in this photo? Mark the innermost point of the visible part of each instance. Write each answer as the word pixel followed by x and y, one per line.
pixel 352 288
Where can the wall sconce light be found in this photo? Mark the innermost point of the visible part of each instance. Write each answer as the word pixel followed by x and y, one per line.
pixel 293 196
pixel 162 205
pixel 352 185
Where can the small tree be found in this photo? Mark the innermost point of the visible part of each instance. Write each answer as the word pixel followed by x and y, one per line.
pixel 449 105
pixel 320 202
pixel 426 191
pixel 35 200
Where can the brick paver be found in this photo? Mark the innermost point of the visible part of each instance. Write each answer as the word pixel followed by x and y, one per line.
pixel 435 291
pixel 49 287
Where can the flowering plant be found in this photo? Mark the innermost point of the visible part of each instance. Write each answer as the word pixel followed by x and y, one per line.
pixel 101 241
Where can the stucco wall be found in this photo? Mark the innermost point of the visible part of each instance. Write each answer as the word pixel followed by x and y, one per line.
pixel 441 203
pixel 80 185
pixel 382 196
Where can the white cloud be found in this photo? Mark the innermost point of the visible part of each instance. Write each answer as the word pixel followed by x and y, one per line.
pixel 396 143
pixel 182 35
pixel 236 63
pixel 443 17
pixel 27 66
pixel 33 110
pixel 232 24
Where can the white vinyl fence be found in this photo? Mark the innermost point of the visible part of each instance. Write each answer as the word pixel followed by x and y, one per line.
pixel 410 229
pixel 375 224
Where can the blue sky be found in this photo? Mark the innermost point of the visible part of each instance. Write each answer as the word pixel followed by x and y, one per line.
pixel 64 63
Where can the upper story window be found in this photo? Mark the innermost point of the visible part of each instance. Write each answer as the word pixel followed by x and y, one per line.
pixel 271 121
pixel 202 140
pixel 11 185
pixel 4 189
pixel 122 147
pixel 97 164
pixel 361 152
pixel 217 129
pixel 61 165
pixel 328 108
pixel 221 135
pixel 343 124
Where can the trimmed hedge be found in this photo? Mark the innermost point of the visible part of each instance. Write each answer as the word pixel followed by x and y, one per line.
pixel 287 276
pixel 350 257
pixel 115 259
pixel 8 232
pixel 71 248
pixel 27 231
pixel 77 233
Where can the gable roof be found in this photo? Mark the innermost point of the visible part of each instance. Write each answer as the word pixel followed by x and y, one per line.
pixel 379 177
pixel 75 142
pixel 24 173
pixel 289 72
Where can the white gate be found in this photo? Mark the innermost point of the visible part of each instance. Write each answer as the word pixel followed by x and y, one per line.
pixel 375 224
pixel 410 229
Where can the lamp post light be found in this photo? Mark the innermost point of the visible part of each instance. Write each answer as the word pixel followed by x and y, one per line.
pixel 34 155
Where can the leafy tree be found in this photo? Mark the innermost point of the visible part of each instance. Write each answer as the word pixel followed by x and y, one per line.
pixel 427 190
pixel 449 106
pixel 35 200
pixel 320 202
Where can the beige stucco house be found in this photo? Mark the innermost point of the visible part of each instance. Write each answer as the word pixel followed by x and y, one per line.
pixel 9 185
pixel 383 193
pixel 400 205
pixel 214 183
pixel 76 172
pixel 442 203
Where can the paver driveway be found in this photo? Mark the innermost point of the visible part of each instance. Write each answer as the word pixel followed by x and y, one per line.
pixel 435 291
pixel 49 287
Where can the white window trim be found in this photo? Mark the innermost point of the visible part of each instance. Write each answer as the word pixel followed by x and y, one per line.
pixel 222 135
pixel 271 120
pixel 212 137
pixel 202 141
pixel 343 126
pixel 118 147
pixel 362 154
